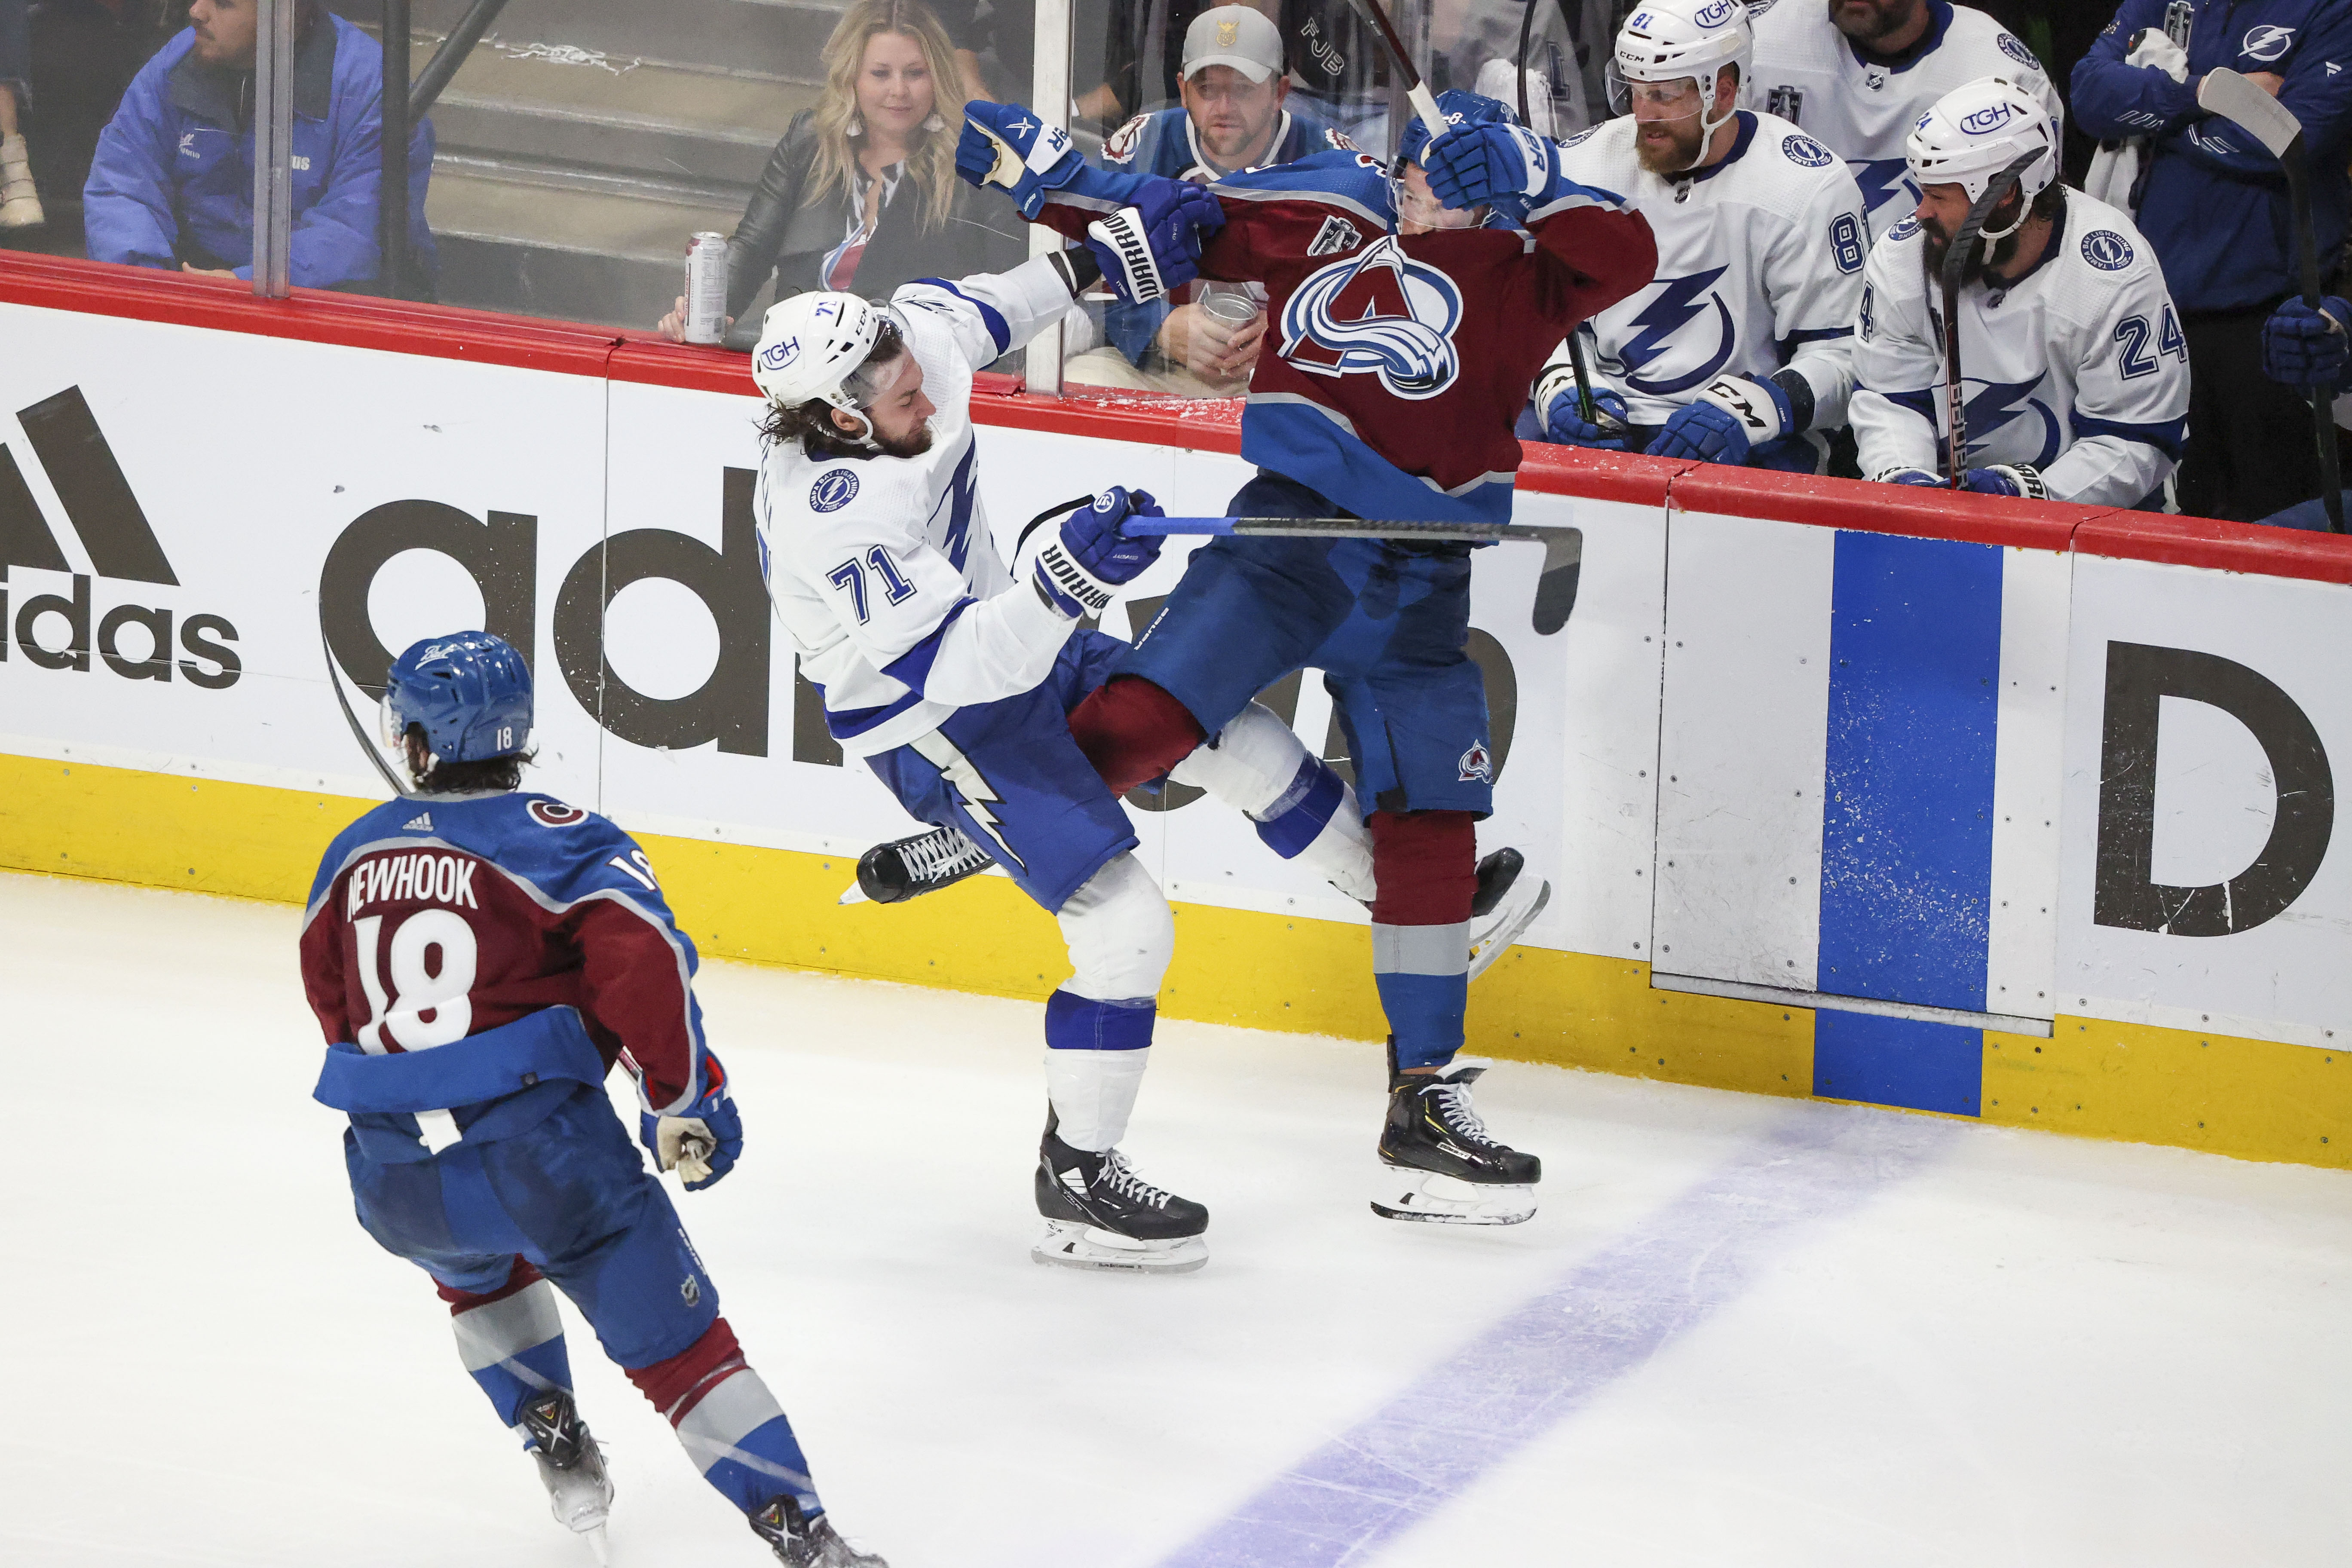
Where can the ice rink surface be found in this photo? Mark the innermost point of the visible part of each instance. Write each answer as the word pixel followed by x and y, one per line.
pixel 1740 1330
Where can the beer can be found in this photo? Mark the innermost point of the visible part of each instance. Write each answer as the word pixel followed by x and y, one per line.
pixel 706 288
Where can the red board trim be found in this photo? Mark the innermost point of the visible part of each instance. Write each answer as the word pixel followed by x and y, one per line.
pixel 483 337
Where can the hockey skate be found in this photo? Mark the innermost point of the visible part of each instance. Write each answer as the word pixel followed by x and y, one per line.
pixel 1100 1215
pixel 579 1492
pixel 908 868
pixel 1439 1163
pixel 807 1543
pixel 1502 909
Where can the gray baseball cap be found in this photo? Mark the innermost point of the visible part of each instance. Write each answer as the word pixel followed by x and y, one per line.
pixel 1234 35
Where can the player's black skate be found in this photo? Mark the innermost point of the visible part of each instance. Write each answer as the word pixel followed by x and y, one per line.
pixel 1503 908
pixel 1440 1163
pixel 1100 1215
pixel 923 863
pixel 579 1492
pixel 807 1543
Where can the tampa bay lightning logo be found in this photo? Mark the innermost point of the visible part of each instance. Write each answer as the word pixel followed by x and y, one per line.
pixel 1994 405
pixel 1381 313
pixel 2019 52
pixel 1804 150
pixel 1661 323
pixel 2267 42
pixel 2106 250
pixel 1884 180
pixel 833 490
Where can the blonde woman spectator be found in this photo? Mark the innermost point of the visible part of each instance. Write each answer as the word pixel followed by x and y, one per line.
pixel 861 194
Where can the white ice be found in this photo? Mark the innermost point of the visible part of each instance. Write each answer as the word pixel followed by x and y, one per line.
pixel 2007 1347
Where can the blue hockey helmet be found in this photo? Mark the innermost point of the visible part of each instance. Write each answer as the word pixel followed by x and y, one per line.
pixel 1459 108
pixel 470 690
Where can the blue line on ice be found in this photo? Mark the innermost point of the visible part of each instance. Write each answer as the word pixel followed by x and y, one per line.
pixel 1551 1357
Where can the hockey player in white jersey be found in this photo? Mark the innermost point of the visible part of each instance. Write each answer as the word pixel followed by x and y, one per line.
pixel 1858 74
pixel 953 678
pixel 1741 349
pixel 2075 376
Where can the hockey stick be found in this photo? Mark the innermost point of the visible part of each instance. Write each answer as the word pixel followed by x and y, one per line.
pixel 1955 262
pixel 335 680
pixel 1416 91
pixel 1555 589
pixel 2233 97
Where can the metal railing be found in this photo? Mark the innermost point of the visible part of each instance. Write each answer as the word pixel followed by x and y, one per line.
pixel 401 112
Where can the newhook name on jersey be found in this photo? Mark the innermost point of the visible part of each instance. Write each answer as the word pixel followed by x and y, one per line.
pixel 2078 368
pixel 1809 72
pixel 1760 259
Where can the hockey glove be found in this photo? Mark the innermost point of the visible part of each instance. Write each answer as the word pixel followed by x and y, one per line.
pixel 1910 477
pixel 1004 144
pixel 1606 430
pixel 2020 479
pixel 1728 419
pixel 1154 246
pixel 2307 348
pixel 1077 571
pixel 704 1143
pixel 1480 165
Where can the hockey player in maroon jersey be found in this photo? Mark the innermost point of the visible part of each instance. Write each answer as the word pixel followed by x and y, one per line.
pixel 1411 306
pixel 479 958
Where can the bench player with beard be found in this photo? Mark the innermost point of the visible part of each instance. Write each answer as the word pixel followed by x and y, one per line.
pixel 2076 375
pixel 1742 351
pixel 953 678
pixel 1410 309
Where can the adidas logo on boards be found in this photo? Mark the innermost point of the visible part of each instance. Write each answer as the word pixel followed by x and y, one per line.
pixel 72 451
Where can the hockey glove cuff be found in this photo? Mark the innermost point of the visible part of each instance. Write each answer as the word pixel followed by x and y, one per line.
pixel 2307 348
pixel 2020 479
pixel 1004 144
pixel 702 1144
pixel 1154 245
pixel 1079 571
pixel 1563 423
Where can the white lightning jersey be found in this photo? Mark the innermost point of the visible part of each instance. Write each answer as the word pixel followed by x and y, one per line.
pixel 1759 266
pixel 882 569
pixel 1807 71
pixel 2078 369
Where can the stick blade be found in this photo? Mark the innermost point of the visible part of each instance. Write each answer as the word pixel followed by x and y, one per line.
pixel 2234 99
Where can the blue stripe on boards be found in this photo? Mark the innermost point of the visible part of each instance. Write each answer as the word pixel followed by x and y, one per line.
pixel 1907 811
pixel 1545 1361
pixel 1907 1062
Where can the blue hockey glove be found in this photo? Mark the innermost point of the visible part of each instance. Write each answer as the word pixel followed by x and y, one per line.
pixel 1564 425
pixel 1005 144
pixel 1910 477
pixel 1154 244
pixel 1077 571
pixel 1480 165
pixel 704 1142
pixel 2006 479
pixel 2307 348
pixel 1731 416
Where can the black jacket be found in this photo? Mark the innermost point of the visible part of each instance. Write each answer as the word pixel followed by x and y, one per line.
pixel 782 237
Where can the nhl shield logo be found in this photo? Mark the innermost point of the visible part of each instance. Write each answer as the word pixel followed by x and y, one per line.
pixel 1477 763
pixel 1787 103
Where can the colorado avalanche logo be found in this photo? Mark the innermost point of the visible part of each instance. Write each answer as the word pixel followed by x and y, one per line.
pixel 555 814
pixel 1382 313
pixel 1478 763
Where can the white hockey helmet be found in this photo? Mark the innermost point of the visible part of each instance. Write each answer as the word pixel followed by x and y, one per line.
pixel 1977 132
pixel 1669 41
pixel 814 346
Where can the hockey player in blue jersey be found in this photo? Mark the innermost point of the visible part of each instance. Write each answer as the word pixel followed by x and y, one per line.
pixel 478 959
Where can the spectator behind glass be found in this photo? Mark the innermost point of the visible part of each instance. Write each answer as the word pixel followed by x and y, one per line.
pixel 861 194
pixel 1341 71
pixel 1233 118
pixel 20 205
pixel 171 184
pixel 2214 206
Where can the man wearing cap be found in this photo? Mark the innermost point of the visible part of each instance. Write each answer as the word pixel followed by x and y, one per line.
pixel 1233 118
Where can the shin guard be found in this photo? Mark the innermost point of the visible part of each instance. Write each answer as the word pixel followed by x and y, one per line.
pixel 728 1422
pixel 511 1340
pixel 1303 809
pixel 1426 863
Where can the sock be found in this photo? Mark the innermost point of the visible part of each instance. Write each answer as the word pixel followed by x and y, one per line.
pixel 1426 865
pixel 1302 808
pixel 1132 731
pixel 511 1339
pixel 1095 1055
pixel 728 1422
